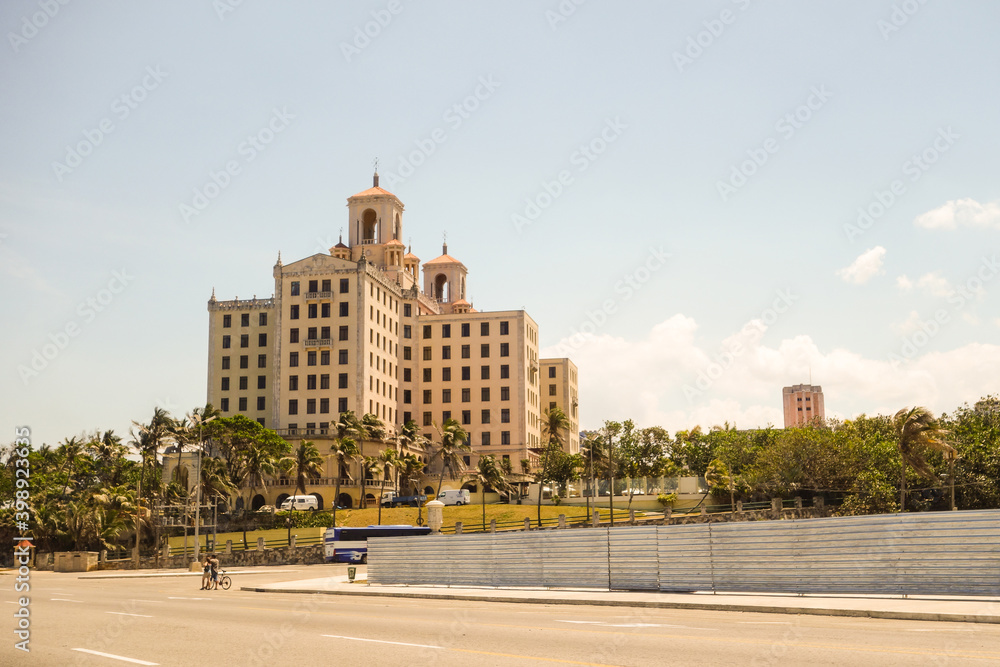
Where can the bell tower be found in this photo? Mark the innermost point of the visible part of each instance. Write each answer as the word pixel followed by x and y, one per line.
pixel 444 278
pixel 375 216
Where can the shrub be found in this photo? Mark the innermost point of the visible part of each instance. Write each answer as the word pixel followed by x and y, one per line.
pixel 666 499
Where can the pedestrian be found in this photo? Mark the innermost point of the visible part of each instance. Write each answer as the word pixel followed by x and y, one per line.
pixel 206 572
pixel 214 563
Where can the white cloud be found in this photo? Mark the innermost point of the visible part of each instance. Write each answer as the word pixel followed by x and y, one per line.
pixel 865 267
pixel 904 283
pixel 961 213
pixel 909 325
pixel 935 284
pixel 645 379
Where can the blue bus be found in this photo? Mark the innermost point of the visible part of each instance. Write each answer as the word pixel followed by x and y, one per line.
pixel 350 545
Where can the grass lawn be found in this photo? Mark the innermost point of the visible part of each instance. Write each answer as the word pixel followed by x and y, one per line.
pixel 471 516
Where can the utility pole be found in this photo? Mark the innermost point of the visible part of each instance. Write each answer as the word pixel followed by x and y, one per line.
pixel 197 508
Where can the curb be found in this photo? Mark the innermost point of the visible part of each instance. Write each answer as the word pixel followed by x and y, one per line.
pixel 176 574
pixel 702 606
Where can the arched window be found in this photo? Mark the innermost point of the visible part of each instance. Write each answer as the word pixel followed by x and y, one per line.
pixel 369 226
pixel 395 227
pixel 441 287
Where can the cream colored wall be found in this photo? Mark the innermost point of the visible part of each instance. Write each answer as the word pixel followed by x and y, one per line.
pixel 235 309
pixel 565 397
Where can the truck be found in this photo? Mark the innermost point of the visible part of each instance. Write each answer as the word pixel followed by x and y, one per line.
pixel 390 499
pixel 455 497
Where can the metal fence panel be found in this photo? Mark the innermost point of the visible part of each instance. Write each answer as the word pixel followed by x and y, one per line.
pixel 633 558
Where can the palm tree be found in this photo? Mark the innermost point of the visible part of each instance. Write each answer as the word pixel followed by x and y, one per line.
pixel 592 450
pixel 370 465
pixel 349 430
pixel 70 450
pixel 388 460
pixel 554 423
pixel 257 465
pixel 306 462
pixel 916 430
pixel 454 441
pixel 489 474
pixel 408 468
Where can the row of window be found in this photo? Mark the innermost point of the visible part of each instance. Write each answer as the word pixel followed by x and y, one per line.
pixel 245 361
pixel 244 382
pixel 484 395
pixel 312 404
pixel 314 310
pixel 244 340
pixel 466 329
pixel 242 402
pixel 227 320
pixel 311 357
pixel 311 381
pixel 325 285
pixel 313 333
pixel 466 373
pixel 466 351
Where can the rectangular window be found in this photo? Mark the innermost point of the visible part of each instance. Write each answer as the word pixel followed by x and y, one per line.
pixel 324 381
pixel 294 288
pixel 428 420
pixel 446 374
pixel 504 329
pixel 504 393
pixel 313 285
pixel 486 417
pixel 504 437
pixel 244 383
pixel 310 382
pixel 293 406
pixel 446 395
pixel 505 416
pixel 344 309
pixel 324 333
pixel 293 382
pixel 445 416
pixel 324 358
pixel 225 384
pixel 484 329
pixel 313 311
pixel 261 403
pixel 552 371
pixel 244 340
pixel 311 406
pixel 485 394
pixel 262 320
pixel 428 374
pixel 427 354
pixel 311 333
pixel 407 310
pixel 407 331
pixel 243 403
pixel 324 309
pixel 466 395
pixel 227 321
pixel 293 359
pixel 504 349
pixel 504 371
pixel 446 352
pixel 342 357
pixel 552 390
pixel 466 351
pixel 465 329
pixel 224 405
pixel 342 405
pixel 225 363
pixel 225 342
pixel 466 416
pixel 324 406
pixel 342 333
pixel 427 396
pixel 262 382
pixel 342 380
pixel 445 331
pixel 407 353
pixel 552 405
pixel 293 312
pixel 407 396
pixel 311 358
pixel 244 361
pixel 466 373
pixel 427 331
pixel 486 438
pixel 407 377
pixel 326 286
pixel 244 319
pixel 293 335
pixel 345 285
pixel 484 351
pixel 261 361
pixel 485 373
pixel 262 340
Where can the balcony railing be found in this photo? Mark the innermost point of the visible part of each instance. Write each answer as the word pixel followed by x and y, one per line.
pixel 295 432
pixel 319 342
pixel 319 295
pixel 332 481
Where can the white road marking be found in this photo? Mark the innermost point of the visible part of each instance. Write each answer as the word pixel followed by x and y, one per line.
pixel 156 601
pixel 122 613
pixel 115 657
pixel 171 597
pixel 765 622
pixel 379 641
pixel 941 629
pixel 633 625
pixel 64 600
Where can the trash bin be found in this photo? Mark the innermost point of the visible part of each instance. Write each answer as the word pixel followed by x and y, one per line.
pixel 351 571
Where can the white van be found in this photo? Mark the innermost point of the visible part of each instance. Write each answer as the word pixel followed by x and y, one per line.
pixel 300 503
pixel 455 497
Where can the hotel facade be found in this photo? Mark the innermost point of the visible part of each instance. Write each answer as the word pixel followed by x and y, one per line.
pixel 367 329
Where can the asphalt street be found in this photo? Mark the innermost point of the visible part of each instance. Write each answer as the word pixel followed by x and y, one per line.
pixel 169 621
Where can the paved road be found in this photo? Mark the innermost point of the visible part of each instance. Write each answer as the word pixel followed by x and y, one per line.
pixel 168 621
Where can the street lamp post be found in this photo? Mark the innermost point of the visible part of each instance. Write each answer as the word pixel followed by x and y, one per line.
pixel 197 496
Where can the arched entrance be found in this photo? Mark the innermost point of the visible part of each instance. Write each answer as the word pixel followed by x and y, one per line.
pixel 345 501
pixel 257 502
pixel 319 500
pixel 280 499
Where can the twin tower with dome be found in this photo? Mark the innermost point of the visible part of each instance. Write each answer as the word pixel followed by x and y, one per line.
pixel 354 330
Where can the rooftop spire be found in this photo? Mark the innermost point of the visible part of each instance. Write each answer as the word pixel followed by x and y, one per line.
pixel 375 178
pixel 444 244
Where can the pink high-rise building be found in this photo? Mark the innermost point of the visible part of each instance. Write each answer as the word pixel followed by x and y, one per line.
pixel 802 403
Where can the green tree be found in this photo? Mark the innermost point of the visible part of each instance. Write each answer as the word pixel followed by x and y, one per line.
pixel 488 475
pixel 454 443
pixel 917 431
pixel 305 462
pixel 345 446
pixel 555 427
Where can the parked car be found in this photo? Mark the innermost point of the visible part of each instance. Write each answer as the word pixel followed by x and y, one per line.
pixel 455 497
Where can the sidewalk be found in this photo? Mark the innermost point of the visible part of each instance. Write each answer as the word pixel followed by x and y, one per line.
pixel 163 572
pixel 967 610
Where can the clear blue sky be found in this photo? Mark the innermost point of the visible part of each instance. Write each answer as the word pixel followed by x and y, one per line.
pixel 687 170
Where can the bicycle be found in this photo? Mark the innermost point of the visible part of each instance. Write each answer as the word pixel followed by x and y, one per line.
pixel 225 581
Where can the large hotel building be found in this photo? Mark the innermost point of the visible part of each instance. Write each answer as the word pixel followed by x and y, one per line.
pixel 361 329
